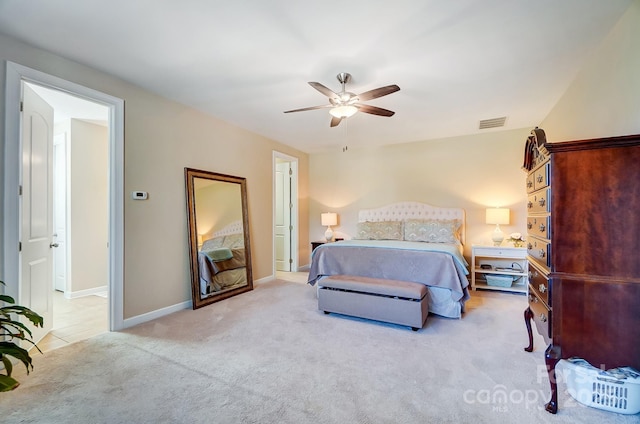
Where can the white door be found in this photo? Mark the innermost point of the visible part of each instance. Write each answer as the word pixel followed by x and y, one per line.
pixel 283 216
pixel 36 264
pixel 60 211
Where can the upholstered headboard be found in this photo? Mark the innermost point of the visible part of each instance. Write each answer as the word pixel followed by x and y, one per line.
pixel 412 210
pixel 233 228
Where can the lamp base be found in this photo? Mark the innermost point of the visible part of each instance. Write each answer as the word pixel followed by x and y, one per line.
pixel 497 236
pixel 328 235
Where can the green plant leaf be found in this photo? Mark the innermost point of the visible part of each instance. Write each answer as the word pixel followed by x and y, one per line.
pixel 5 324
pixel 8 366
pixel 7 299
pixel 36 319
pixel 11 349
pixel 7 383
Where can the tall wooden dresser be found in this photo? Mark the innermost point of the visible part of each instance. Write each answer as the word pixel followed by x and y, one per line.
pixel 584 251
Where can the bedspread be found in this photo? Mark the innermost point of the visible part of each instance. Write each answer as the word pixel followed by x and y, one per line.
pixel 431 264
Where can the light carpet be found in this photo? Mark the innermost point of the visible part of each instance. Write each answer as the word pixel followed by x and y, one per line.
pixel 269 356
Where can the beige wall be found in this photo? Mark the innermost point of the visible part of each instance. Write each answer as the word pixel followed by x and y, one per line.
pixel 88 205
pixel 161 138
pixel 604 99
pixel 472 173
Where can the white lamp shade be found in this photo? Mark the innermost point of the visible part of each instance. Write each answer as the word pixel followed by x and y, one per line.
pixel 344 111
pixel 329 218
pixel 497 216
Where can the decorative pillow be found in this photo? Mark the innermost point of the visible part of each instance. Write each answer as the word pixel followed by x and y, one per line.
pixel 433 230
pixel 384 230
pixel 211 244
pixel 234 241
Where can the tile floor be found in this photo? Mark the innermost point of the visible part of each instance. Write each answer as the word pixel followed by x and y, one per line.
pixel 75 320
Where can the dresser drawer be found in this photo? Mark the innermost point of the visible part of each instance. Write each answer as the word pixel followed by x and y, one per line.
pixel 539 226
pixel 500 252
pixel 539 283
pixel 539 201
pixel 531 185
pixel 541 179
pixel 540 251
pixel 541 316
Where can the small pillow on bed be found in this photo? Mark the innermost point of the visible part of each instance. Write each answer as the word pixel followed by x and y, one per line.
pixel 384 230
pixel 234 241
pixel 212 243
pixel 433 230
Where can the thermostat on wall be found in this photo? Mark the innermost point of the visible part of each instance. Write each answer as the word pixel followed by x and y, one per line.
pixel 139 195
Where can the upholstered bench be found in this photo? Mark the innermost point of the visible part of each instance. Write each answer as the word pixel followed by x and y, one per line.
pixel 393 301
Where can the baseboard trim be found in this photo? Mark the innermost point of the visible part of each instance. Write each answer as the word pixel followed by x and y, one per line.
pixel 83 293
pixel 139 319
pixel 264 279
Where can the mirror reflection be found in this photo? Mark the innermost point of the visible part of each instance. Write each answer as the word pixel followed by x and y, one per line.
pixel 218 236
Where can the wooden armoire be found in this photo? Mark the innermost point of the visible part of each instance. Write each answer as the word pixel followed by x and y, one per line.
pixel 584 250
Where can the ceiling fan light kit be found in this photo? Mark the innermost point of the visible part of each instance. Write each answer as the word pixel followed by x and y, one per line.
pixel 345 104
pixel 344 111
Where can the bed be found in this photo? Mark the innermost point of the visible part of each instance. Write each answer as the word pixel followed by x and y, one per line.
pixel 222 260
pixel 407 241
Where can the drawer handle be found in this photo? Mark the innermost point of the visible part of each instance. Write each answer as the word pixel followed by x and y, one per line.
pixel 542 253
pixel 542 228
pixel 529 184
pixel 529 205
pixel 529 246
pixel 533 299
pixel 539 178
pixel 542 288
pixel 541 201
pixel 529 225
pixel 543 318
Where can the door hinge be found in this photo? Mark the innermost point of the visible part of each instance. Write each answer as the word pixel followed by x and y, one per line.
pixel 290 205
pixel 21 106
pixel 290 227
pixel 290 261
pixel 290 171
pixel 19 190
pixel 19 246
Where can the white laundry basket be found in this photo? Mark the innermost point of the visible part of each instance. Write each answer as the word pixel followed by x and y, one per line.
pixel 615 390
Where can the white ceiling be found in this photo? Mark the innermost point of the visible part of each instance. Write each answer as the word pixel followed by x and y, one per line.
pixel 456 62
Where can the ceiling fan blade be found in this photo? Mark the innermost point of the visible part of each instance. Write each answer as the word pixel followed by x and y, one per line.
pixel 308 108
pixel 378 92
pixel 374 110
pixel 324 90
pixel 335 121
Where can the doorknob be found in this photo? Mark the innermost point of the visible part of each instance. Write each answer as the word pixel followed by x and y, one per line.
pixel 54 245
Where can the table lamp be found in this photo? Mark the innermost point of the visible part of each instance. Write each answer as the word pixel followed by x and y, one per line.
pixel 497 216
pixel 329 219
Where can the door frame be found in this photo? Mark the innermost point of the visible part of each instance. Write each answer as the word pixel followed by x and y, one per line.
pixel 15 74
pixel 294 210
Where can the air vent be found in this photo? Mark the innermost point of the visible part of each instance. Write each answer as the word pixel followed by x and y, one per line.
pixel 492 123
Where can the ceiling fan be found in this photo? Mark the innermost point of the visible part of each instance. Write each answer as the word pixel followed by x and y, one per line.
pixel 344 104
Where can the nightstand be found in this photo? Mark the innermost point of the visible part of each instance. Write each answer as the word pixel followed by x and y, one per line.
pixel 501 263
pixel 315 244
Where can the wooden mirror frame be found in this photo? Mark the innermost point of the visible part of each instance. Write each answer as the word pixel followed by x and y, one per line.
pixel 190 177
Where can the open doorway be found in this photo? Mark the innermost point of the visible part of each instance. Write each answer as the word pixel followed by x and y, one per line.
pixel 16 185
pixel 80 206
pixel 285 212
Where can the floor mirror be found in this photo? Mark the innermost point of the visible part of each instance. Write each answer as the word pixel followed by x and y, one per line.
pixel 218 225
